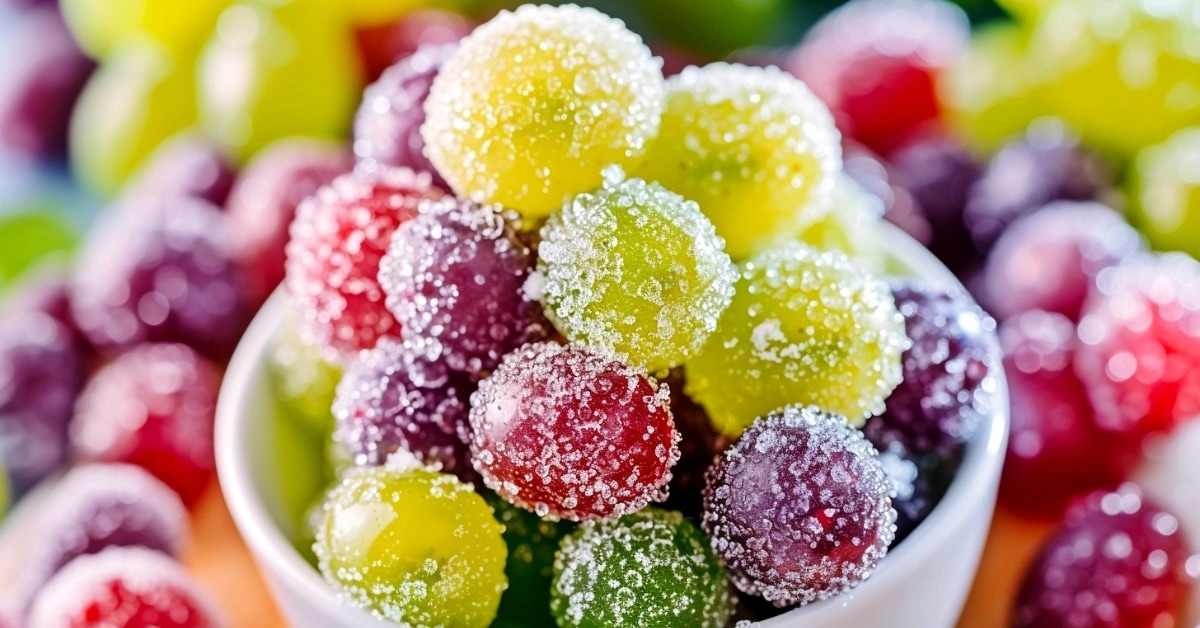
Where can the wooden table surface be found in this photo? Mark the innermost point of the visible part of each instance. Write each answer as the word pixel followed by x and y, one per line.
pixel 220 559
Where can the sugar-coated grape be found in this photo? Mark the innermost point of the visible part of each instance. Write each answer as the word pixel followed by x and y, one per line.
pixel 916 484
pixel 103 27
pixel 771 501
pixel 124 586
pixel 635 270
pixel 572 434
pixel 164 277
pixel 532 542
pixel 679 580
pixel 337 240
pixel 1139 354
pixel 537 102
pixel 753 146
pixel 715 28
pixel 392 397
pixel 851 225
pixel 948 386
pixel 699 445
pixel 454 278
pixel 184 165
pixel 304 380
pixel 876 63
pixel 263 202
pixel 1166 198
pixel 387 127
pixel 382 45
pixel 1048 260
pixel 154 407
pixel 1117 560
pixel 805 327
pixel 413 546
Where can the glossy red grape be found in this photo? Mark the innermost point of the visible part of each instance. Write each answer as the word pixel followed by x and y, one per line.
pixel 131 587
pixel 948 386
pixel 798 507
pixel 185 165
pixel 1055 450
pixel 454 278
pixel 152 406
pixel 387 127
pixel 1118 561
pixel 572 434
pixel 263 202
pixel 392 397
pixel 383 45
pixel 167 276
pixel 1139 354
pixel 1048 260
pixel 337 239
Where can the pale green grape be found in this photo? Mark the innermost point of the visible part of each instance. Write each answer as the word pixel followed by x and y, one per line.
pixel 101 27
pixel 1166 193
pixel 851 225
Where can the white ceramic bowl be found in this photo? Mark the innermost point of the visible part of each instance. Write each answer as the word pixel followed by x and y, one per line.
pixel 922 584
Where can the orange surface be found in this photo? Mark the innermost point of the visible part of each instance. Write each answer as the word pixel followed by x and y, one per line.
pixel 220 559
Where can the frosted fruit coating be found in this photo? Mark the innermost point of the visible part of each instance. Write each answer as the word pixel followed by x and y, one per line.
pixel 851 225
pixel 413 546
pixel 635 270
pixel 537 102
pixel 753 146
pixel 805 327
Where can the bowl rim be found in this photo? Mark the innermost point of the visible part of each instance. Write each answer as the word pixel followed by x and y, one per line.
pixel 975 478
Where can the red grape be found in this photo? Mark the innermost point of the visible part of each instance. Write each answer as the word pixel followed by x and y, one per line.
pixel 384 44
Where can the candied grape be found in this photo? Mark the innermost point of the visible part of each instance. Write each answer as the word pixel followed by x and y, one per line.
pixel 387 127
pixel 394 398
pixel 338 237
pixel 1048 260
pixel 770 500
pixel 753 146
pixel 184 165
pixel 532 542
pixel 916 484
pixel 454 278
pixel 572 434
pixel 804 327
pixel 634 270
pixel 382 45
pixel 1139 354
pixel 699 445
pixel 948 387
pixel 124 586
pixel 851 226
pixel 304 381
pixel 537 102
pixel 1166 193
pixel 152 406
pixel 679 581
pixel 1117 560
pixel 413 546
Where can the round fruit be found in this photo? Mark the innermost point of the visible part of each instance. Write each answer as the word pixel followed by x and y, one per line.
pixel 1166 198
pixel 103 26
pixel 382 45
pixel 184 165
pixel 532 542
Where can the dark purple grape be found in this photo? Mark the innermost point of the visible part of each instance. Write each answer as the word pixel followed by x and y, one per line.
pixel 947 389
pixel 785 517
pixel 1117 561
pixel 880 179
pixel 1048 164
pixel 387 127
pixel 917 483
pixel 455 278
pixel 44 72
pixel 392 398
pixel 165 277
pixel 185 165
pixel 699 445
pixel 44 290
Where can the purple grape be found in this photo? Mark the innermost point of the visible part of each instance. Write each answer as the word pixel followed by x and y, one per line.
pixel 454 276
pixel 1048 164
pixel 783 514
pixel 44 72
pixel 392 398
pixel 388 124
pixel 166 277
pixel 882 180
pixel 1049 260
pixel 185 165
pixel 917 483
pixel 947 388
pixel 42 290
pixel 1118 560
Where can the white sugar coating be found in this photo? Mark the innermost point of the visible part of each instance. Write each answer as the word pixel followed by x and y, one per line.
pixel 149 574
pixel 805 327
pixel 852 225
pixel 537 101
pixel 753 146
pixel 651 568
pixel 569 433
pixel 635 270
pixel 798 508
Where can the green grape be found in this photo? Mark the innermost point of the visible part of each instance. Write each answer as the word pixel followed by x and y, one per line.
pixel 305 382
pixel 634 270
pixel 716 27
pixel 273 72
pixel 537 102
pixel 139 96
pixel 30 236
pixel 531 542
pixel 5 492
pixel 1166 193
pixel 414 546
pixel 651 568
pixel 805 327
pixel 101 27
pixel 753 146
pixel 851 226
